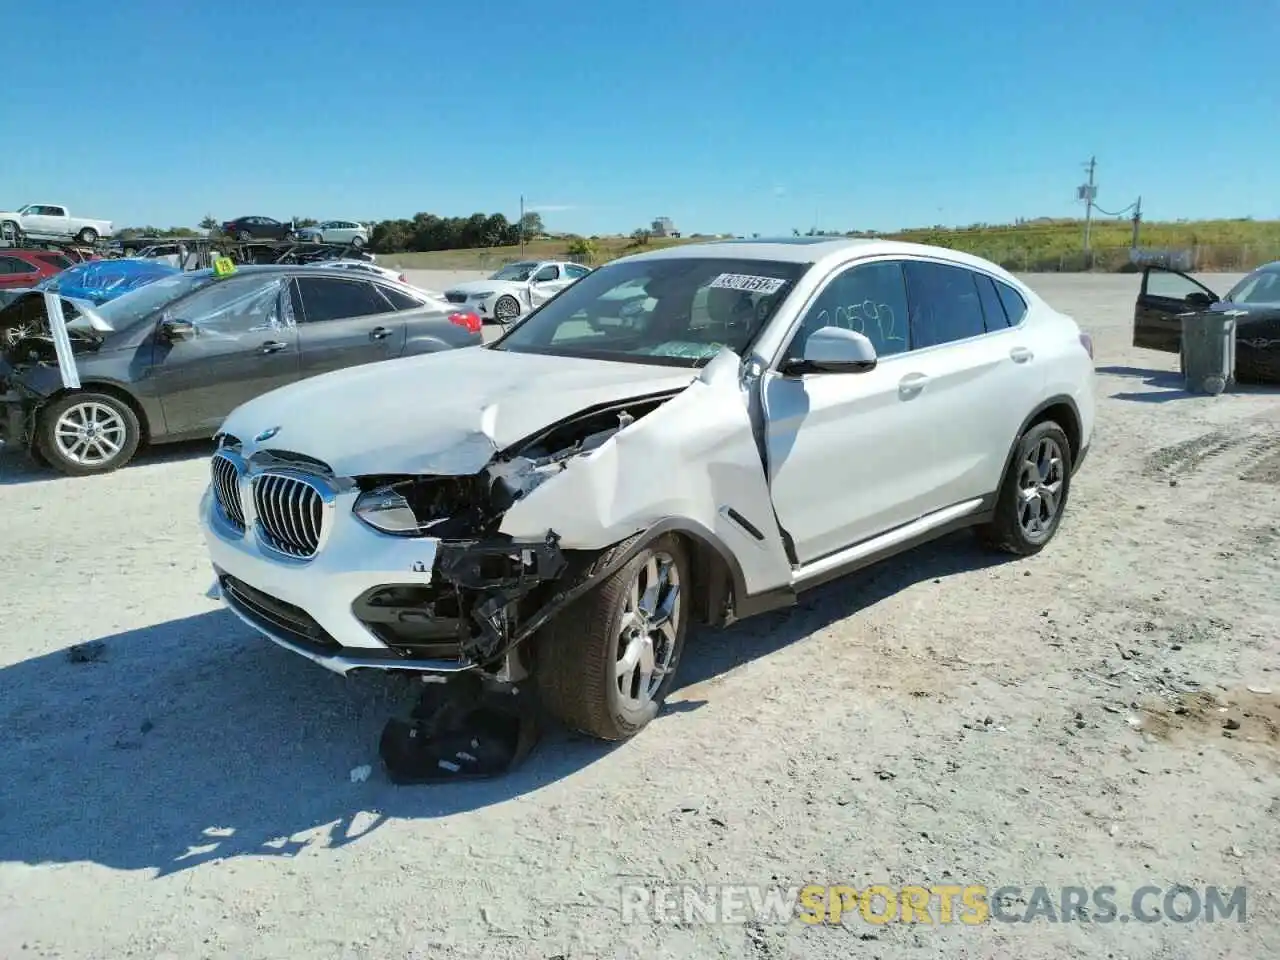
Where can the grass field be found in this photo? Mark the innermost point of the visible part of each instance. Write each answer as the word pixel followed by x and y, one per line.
pixel 1033 246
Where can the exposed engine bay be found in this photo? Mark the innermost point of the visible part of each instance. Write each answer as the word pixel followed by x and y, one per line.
pixel 486 593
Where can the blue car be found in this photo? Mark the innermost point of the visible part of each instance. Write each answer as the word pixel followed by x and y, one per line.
pixel 101 281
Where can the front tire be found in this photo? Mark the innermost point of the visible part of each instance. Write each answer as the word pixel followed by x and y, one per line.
pixel 607 663
pixel 1033 495
pixel 506 308
pixel 87 433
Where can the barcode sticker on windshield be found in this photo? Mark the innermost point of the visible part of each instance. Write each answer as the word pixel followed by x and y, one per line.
pixel 747 283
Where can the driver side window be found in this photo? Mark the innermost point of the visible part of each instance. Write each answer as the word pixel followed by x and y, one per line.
pixel 869 298
pixel 232 308
pixel 547 273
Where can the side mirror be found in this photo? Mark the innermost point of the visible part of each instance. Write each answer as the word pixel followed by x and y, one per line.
pixel 833 350
pixel 1199 299
pixel 175 330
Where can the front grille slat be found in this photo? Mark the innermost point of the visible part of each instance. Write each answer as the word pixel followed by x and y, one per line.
pixel 226 488
pixel 290 511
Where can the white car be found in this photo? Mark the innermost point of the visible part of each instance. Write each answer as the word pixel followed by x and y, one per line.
pixel 517 288
pixel 336 231
pixel 564 502
pixel 363 266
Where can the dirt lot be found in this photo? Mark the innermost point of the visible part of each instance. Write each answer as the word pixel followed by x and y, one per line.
pixel 1105 713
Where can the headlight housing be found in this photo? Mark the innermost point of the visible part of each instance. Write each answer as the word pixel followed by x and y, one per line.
pixel 387 510
pixel 423 506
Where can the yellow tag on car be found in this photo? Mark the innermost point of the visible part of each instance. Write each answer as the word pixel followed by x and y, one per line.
pixel 223 267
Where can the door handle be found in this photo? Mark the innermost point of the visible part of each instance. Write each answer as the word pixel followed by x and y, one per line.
pixel 912 384
pixel 379 333
pixel 274 346
pixel 1021 354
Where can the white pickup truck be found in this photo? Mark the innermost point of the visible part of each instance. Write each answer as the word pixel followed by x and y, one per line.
pixel 47 221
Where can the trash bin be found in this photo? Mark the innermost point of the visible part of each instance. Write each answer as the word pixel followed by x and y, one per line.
pixel 1208 351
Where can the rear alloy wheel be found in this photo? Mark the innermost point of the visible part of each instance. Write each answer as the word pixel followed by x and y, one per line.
pixel 357 242
pixel 605 665
pixel 88 236
pixel 244 236
pixel 87 433
pixel 506 309
pixel 1034 494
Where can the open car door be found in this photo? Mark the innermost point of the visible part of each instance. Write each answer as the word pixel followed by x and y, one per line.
pixel 1165 295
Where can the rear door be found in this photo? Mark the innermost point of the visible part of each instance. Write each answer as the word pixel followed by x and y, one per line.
pixel 344 321
pixel 245 344
pixel 1162 299
pixel 974 378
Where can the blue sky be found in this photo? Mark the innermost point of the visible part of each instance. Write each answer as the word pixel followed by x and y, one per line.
pixel 738 116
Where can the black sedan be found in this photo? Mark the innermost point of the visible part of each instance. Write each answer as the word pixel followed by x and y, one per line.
pixel 258 228
pixel 1166 295
pixel 168 361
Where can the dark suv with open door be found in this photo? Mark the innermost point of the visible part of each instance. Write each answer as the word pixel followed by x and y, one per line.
pixel 1166 296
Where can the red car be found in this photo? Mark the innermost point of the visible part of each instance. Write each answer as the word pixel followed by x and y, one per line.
pixel 26 268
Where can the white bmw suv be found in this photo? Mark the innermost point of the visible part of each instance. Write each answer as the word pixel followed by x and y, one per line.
pixel 695 434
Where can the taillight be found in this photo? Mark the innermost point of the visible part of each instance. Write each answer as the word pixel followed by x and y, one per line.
pixel 468 320
pixel 1086 341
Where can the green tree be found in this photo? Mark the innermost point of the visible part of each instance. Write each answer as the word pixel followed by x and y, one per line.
pixel 531 224
pixel 580 248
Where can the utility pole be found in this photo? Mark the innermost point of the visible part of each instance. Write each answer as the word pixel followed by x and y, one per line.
pixel 1137 222
pixel 1089 192
pixel 522 226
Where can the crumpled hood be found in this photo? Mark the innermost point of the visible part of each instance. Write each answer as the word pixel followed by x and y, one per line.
pixel 480 286
pixel 444 413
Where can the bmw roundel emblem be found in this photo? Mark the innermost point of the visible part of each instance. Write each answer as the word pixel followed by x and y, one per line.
pixel 266 434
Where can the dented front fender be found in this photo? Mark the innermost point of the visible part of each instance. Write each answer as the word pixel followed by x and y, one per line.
pixel 693 462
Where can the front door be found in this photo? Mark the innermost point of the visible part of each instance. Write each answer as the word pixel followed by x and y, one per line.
pixel 845 450
pixel 546 283
pixel 343 322
pixel 1162 299
pixel 245 343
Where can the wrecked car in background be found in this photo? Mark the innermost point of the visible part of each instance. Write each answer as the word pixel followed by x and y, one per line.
pixel 101 281
pixel 170 359
pixel 565 501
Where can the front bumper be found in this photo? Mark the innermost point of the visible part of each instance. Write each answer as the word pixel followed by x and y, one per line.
pixel 307 607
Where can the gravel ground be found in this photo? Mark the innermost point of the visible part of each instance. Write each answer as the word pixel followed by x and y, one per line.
pixel 1084 718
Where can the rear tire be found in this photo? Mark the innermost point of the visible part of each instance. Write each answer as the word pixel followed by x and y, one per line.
pixel 66 441
pixel 591 660
pixel 88 236
pixel 1034 493
pixel 357 242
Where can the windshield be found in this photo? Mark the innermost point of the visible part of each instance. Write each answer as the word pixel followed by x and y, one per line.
pixel 515 271
pixel 1261 286
pixel 674 312
pixel 131 307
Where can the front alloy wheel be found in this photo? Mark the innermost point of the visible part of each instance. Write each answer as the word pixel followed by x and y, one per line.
pixel 506 309
pixel 87 433
pixel 606 664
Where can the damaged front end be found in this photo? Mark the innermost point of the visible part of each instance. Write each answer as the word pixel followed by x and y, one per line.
pixel 38 358
pixel 487 592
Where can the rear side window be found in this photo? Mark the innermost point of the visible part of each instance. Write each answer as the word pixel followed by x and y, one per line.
pixel 945 306
pixel 326 299
pixel 12 265
pixel 992 308
pixel 1014 306
pixel 399 299
pixel 55 260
